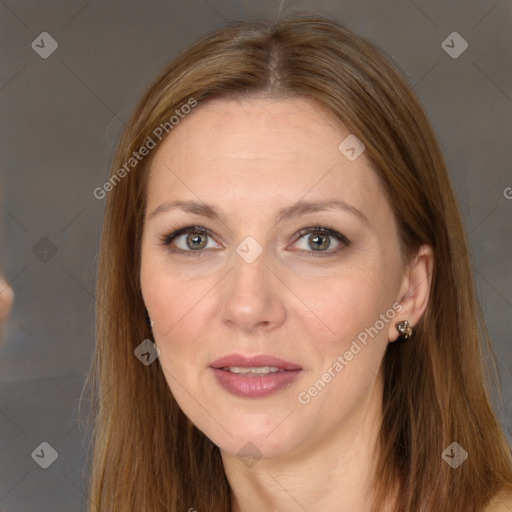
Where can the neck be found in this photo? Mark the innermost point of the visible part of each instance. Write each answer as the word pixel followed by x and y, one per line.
pixel 336 474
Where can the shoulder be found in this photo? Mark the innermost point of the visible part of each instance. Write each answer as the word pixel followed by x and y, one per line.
pixel 500 503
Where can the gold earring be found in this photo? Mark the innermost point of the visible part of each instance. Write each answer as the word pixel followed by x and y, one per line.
pixel 404 329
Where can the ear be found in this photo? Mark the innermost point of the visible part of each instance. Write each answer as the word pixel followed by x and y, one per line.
pixel 414 289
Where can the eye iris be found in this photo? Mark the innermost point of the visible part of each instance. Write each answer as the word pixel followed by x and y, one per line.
pixel 194 241
pixel 319 241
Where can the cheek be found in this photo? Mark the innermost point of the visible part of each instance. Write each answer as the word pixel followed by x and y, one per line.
pixel 341 305
pixel 176 309
pixel 181 312
pixel 178 312
pixel 166 294
pixel 348 334
pixel 353 313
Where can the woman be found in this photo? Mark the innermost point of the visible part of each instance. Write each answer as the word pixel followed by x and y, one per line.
pixel 281 224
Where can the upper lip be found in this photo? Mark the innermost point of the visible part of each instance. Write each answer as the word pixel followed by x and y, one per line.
pixel 254 361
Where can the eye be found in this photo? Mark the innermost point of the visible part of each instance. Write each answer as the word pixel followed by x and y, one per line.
pixel 318 239
pixel 189 240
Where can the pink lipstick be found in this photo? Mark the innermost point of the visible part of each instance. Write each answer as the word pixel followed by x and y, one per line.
pixel 254 376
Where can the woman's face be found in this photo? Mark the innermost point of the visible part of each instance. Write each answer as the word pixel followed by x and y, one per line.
pixel 280 271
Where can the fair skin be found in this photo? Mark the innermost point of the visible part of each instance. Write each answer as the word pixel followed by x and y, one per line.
pixel 250 158
pixel 6 302
pixel 501 503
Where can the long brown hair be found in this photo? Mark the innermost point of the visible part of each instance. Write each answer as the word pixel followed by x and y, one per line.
pixel 147 454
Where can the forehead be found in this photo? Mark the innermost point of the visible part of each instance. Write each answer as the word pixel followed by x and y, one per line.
pixel 259 128
pixel 259 152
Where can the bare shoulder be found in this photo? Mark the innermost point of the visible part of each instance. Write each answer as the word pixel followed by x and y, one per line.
pixel 501 503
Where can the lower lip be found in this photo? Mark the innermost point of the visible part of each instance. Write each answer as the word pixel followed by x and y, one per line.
pixel 256 385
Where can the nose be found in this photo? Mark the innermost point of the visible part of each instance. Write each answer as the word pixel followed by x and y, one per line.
pixel 252 297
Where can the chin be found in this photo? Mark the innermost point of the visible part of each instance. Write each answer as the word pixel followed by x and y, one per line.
pixel 262 435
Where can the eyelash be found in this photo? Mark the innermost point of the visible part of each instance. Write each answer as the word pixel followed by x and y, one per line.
pixel 326 230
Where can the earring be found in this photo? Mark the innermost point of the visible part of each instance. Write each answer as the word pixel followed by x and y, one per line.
pixel 149 321
pixel 404 329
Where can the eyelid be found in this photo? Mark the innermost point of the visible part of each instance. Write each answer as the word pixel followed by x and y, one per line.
pixel 167 239
pixel 326 230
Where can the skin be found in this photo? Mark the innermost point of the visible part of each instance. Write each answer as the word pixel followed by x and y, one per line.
pixel 250 158
pixel 6 302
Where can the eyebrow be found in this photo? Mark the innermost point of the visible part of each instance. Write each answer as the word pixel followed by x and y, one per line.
pixel 299 208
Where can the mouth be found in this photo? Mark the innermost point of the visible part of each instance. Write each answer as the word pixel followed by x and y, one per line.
pixel 253 371
pixel 254 376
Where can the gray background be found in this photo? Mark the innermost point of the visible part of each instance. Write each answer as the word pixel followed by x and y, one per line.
pixel 62 116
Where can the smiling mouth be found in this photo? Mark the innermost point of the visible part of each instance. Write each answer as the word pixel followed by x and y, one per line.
pixel 253 371
pixel 258 364
pixel 254 376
